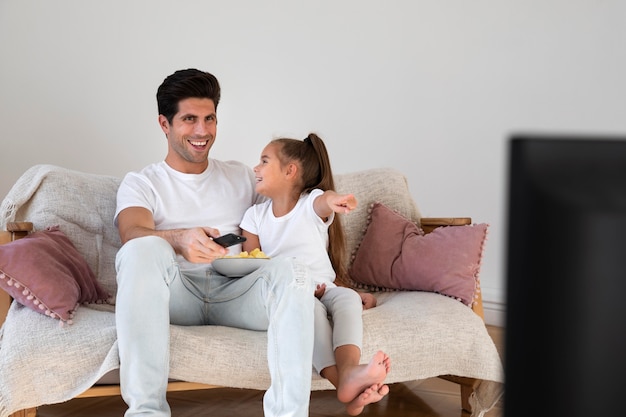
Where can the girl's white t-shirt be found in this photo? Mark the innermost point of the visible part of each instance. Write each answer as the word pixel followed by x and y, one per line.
pixel 301 233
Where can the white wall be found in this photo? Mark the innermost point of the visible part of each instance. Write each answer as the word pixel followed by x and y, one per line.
pixel 433 88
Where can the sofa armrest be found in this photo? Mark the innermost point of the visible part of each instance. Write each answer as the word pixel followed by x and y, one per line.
pixel 428 224
pixel 15 230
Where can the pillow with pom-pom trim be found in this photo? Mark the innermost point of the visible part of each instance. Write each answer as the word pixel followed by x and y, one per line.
pixel 45 272
pixel 395 254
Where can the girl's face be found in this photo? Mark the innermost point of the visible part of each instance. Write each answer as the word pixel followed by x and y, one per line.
pixel 271 176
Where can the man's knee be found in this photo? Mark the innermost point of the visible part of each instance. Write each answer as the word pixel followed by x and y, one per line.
pixel 145 254
pixel 144 247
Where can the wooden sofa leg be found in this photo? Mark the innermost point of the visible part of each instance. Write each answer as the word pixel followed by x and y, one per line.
pixel 466 391
pixel 28 412
pixel 468 385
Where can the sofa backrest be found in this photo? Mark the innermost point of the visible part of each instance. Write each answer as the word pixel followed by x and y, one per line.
pixel 83 205
pixel 385 185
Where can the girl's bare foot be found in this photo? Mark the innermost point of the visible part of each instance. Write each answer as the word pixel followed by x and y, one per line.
pixel 358 379
pixel 372 394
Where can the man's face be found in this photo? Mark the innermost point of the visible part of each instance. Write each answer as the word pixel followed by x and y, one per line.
pixel 190 135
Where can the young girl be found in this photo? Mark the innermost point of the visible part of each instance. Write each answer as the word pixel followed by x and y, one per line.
pixel 299 220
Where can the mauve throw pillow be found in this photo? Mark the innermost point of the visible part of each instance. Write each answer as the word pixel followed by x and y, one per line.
pixel 395 254
pixel 45 272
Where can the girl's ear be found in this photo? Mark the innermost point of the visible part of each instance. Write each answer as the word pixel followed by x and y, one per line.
pixel 291 171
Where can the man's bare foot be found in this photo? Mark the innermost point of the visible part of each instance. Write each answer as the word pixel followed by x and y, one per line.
pixel 356 380
pixel 371 395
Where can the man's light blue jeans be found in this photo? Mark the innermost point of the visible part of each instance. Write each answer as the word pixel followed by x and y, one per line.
pixel 152 293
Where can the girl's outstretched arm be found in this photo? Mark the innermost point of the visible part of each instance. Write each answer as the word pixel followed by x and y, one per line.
pixel 331 201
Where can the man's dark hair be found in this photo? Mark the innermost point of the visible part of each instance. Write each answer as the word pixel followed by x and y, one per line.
pixel 184 84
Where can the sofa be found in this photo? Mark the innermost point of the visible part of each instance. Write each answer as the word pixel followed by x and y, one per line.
pixel 46 360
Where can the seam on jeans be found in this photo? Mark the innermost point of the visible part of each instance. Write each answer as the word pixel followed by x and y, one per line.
pixel 174 269
pixel 192 288
pixel 253 279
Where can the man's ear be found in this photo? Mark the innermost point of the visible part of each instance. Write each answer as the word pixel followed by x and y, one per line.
pixel 165 125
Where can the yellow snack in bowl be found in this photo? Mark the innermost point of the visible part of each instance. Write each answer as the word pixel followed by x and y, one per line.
pixel 254 253
pixel 257 253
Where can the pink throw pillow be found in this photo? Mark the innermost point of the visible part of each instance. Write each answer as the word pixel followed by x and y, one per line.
pixel 45 272
pixel 395 254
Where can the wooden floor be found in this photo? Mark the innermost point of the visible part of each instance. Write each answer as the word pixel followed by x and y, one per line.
pixel 431 398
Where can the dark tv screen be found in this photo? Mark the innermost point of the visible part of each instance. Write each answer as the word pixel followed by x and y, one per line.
pixel 565 340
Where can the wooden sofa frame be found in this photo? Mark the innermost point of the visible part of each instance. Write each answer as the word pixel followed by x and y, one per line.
pixel 17 230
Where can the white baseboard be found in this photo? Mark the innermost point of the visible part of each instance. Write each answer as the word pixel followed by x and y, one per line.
pixel 495 313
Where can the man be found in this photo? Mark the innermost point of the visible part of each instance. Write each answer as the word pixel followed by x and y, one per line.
pixel 167 215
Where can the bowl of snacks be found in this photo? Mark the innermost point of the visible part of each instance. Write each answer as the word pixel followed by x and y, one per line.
pixel 236 266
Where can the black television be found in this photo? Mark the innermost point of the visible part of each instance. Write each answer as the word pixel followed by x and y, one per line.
pixel 565 335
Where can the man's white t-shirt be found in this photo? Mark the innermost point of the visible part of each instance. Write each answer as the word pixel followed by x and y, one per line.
pixel 301 233
pixel 217 198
